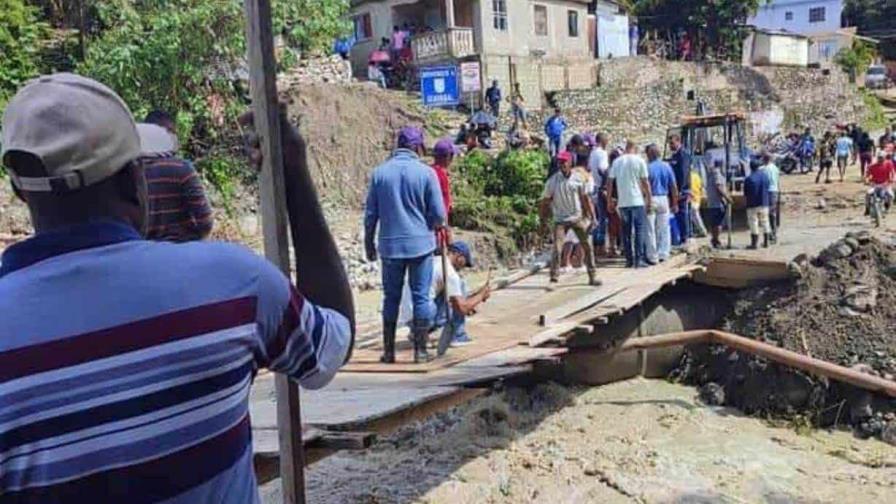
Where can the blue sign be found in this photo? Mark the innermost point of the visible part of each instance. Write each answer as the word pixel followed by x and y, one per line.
pixel 439 87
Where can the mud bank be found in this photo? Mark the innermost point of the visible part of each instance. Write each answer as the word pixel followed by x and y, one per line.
pixel 841 307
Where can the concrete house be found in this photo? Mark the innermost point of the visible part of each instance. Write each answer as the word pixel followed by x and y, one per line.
pixel 776 48
pixel 510 38
pixel 820 20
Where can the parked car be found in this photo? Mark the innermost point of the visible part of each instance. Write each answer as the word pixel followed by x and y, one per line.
pixel 876 77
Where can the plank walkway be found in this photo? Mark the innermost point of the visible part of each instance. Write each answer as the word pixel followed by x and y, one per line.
pixel 520 312
pixel 507 333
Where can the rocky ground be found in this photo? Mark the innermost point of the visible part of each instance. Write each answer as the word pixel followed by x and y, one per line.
pixel 638 441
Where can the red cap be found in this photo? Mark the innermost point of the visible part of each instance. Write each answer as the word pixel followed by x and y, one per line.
pixel 564 156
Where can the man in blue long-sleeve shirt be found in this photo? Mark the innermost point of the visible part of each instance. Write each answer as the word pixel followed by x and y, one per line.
pixel 406 201
pixel 554 129
pixel 680 161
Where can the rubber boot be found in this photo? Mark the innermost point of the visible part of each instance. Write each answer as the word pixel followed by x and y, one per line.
pixel 421 340
pixel 388 356
pixel 765 239
pixel 754 242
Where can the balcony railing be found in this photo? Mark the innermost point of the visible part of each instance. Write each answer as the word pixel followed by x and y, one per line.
pixel 442 44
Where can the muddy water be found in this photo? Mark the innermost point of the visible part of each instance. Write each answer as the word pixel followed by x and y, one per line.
pixel 635 441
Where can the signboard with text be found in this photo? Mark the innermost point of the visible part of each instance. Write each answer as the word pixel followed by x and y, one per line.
pixel 470 77
pixel 439 86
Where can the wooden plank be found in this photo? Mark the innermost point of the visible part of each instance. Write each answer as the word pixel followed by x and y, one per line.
pixel 581 303
pixel 487 338
pixel 553 333
pixel 263 88
pixel 266 454
pixel 610 290
pixel 342 441
pixel 732 272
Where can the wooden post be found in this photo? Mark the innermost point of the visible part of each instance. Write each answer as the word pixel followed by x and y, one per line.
pixel 263 86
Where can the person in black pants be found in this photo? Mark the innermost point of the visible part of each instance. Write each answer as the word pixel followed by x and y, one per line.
pixel 680 161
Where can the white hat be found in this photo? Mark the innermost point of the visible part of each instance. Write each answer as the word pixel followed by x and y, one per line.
pixel 79 129
pixel 155 140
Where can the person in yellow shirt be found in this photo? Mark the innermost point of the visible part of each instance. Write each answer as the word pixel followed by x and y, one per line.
pixel 696 198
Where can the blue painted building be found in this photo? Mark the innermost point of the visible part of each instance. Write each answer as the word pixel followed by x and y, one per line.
pixel 820 20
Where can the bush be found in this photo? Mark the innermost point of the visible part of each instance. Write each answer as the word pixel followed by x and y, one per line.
pixel 876 118
pixel 20 41
pixel 500 195
pixel 855 60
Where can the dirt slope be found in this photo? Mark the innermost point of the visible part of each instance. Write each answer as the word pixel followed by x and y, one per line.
pixel 351 129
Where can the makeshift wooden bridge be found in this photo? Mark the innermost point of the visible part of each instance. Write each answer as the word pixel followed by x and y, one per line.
pixel 508 333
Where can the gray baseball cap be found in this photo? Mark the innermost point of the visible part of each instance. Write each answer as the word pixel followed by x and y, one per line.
pixel 79 129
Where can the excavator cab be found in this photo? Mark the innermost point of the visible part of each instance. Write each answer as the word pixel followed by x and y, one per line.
pixel 720 138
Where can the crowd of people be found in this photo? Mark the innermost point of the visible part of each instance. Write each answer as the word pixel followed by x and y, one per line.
pixel 599 199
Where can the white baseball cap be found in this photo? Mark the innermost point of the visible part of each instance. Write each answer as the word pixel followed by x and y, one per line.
pixel 80 130
pixel 155 140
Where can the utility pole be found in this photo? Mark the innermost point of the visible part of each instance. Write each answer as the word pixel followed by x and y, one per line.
pixel 82 42
pixel 263 88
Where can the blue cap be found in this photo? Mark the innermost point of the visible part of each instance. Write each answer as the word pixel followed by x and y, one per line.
pixel 463 249
pixel 410 137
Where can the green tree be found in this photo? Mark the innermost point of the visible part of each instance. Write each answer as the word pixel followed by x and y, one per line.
pixel 20 40
pixel 876 19
pixel 719 26
pixel 311 25
pixel 188 57
pixel 855 60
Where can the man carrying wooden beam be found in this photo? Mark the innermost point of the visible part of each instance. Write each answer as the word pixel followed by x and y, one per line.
pixel 125 364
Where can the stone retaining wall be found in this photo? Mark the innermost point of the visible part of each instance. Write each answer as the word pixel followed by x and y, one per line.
pixel 640 98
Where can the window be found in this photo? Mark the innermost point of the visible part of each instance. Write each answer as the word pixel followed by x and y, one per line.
pixel 363 27
pixel 499 14
pixel 541 20
pixel 817 15
pixel 788 16
pixel 572 18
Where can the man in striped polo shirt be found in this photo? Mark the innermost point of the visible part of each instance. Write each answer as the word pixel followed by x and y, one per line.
pixel 178 208
pixel 125 364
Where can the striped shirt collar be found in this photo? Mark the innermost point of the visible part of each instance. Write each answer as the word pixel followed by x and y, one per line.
pixel 60 241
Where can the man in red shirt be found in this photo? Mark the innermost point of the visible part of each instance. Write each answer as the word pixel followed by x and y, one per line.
pixel 443 152
pixel 880 176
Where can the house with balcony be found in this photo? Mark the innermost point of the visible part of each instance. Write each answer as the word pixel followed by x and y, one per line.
pixel 505 36
pixel 819 20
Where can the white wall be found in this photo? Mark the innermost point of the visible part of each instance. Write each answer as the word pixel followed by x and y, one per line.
pixel 780 50
pixel 520 40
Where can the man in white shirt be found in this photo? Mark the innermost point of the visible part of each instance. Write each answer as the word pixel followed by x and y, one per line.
pixel 566 198
pixel 460 305
pixel 629 172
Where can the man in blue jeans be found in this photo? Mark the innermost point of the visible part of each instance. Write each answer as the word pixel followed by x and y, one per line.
pixel 629 173
pixel 554 128
pixel 406 201
pixel 680 161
